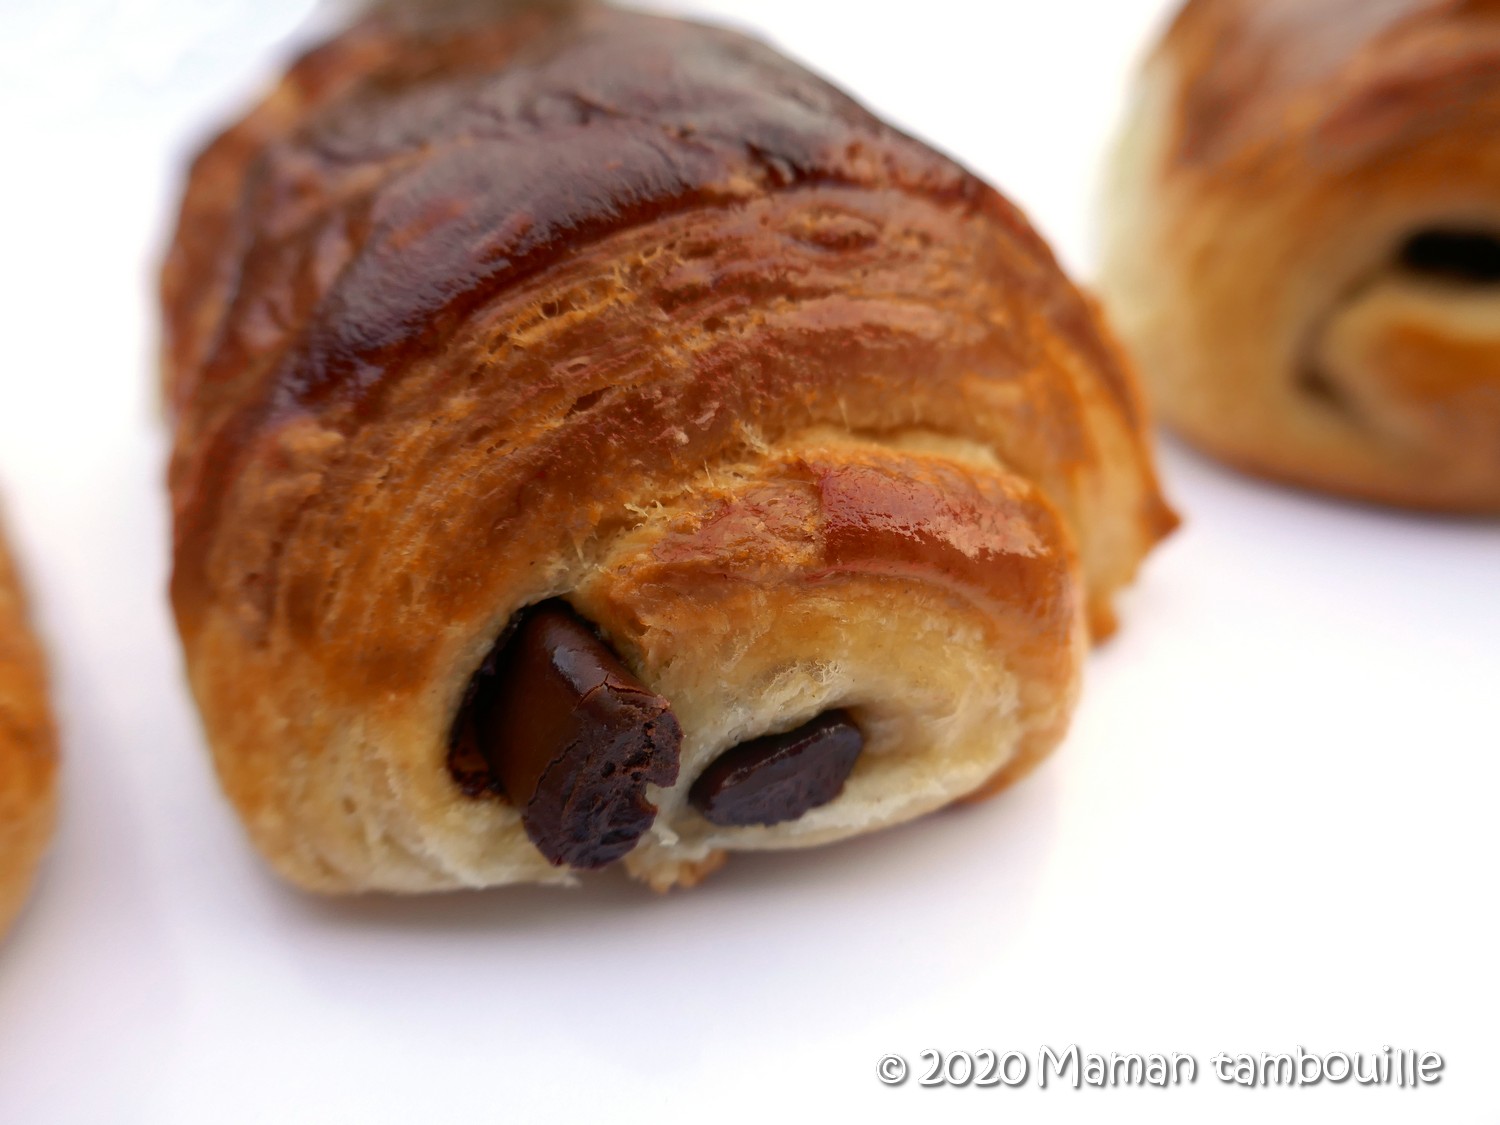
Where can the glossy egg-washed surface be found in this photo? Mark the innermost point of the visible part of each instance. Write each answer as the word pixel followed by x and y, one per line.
pixel 1284 158
pixel 28 749
pixel 466 294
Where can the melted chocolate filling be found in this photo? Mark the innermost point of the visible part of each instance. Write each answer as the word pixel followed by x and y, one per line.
pixel 555 723
pixel 780 777
pixel 1471 257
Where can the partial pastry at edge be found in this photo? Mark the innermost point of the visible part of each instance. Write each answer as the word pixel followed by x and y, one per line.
pixel 1304 242
pixel 28 754
pixel 598 439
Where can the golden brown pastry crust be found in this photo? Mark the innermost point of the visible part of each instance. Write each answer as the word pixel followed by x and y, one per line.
pixel 28 754
pixel 1280 155
pixel 475 312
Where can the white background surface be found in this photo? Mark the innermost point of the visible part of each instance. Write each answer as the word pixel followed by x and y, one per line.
pixel 1273 824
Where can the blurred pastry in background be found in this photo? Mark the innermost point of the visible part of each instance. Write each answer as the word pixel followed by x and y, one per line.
pixel 28 749
pixel 1303 243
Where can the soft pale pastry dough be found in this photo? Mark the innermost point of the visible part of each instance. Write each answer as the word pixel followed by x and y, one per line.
pixel 1304 231
pixel 477 310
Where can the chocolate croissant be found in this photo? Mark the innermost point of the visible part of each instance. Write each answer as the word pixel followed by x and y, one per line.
pixel 28 750
pixel 1304 246
pixel 598 439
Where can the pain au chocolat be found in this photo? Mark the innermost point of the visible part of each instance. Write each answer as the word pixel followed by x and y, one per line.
pixel 1305 242
pixel 28 749
pixel 598 439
